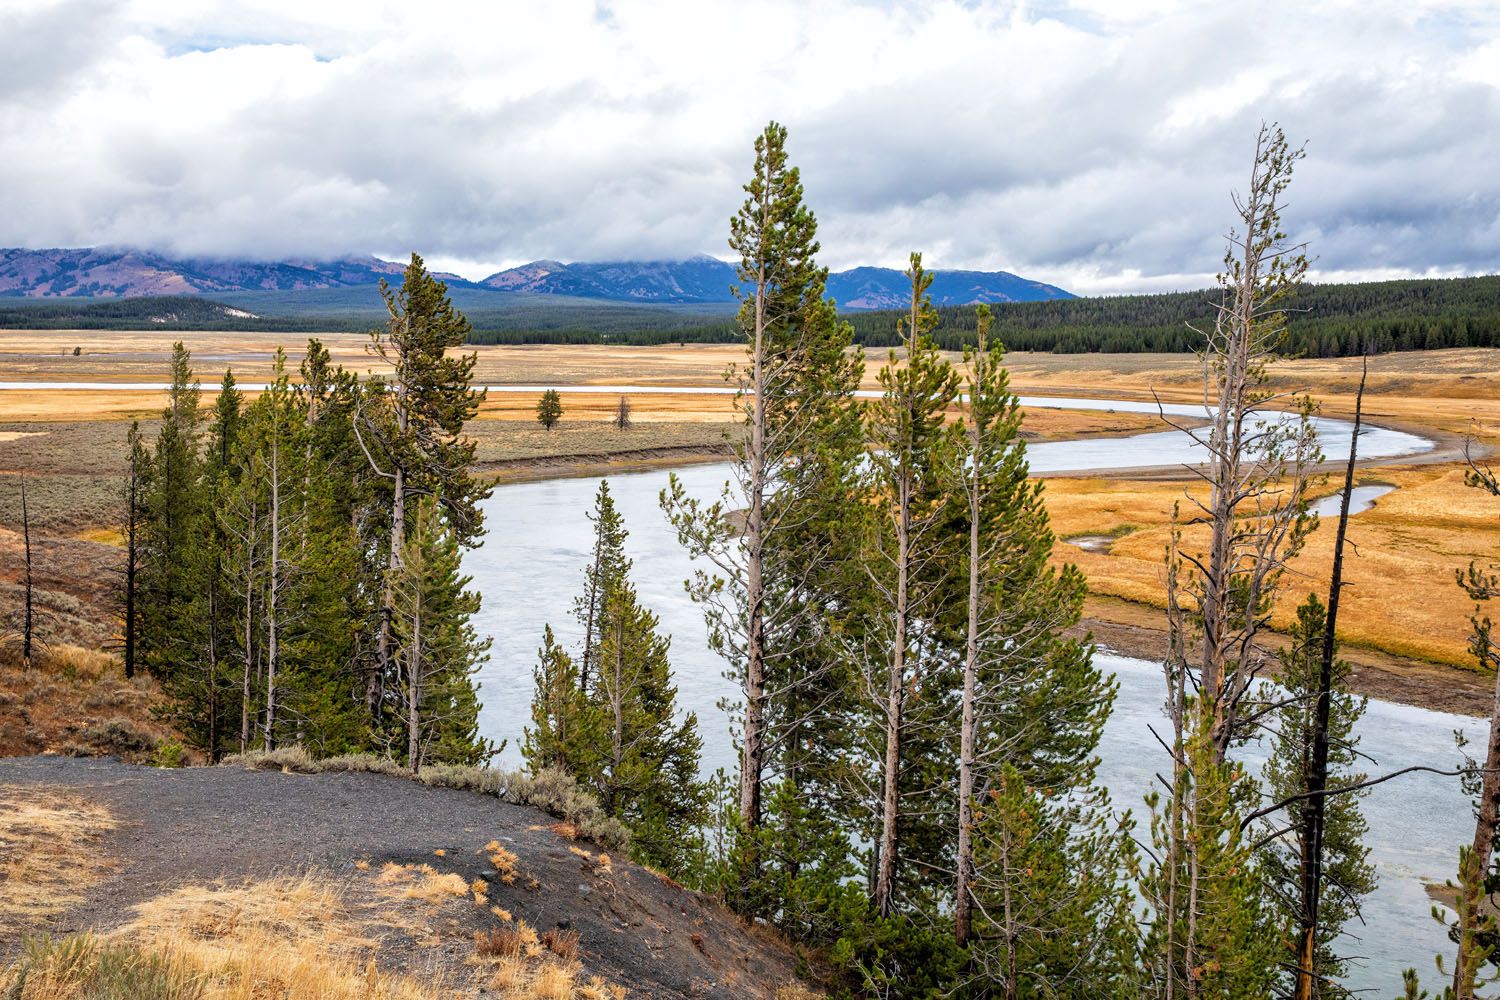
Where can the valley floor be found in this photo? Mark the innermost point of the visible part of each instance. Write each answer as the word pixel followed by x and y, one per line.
pixel 1405 622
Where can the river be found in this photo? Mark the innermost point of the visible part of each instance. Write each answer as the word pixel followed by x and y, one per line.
pixel 530 567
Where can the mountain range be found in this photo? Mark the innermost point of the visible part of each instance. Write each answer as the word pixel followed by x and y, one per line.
pixel 110 272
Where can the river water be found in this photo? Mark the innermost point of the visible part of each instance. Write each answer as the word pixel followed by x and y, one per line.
pixel 530 567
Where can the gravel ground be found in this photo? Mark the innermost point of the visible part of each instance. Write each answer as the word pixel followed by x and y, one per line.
pixel 201 825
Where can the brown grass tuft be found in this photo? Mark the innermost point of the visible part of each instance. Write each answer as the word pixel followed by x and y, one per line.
pixel 291 938
pixel 561 942
pixel 421 882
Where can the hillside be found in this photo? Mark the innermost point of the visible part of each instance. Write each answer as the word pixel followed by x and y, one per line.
pixel 377 885
pixel 99 272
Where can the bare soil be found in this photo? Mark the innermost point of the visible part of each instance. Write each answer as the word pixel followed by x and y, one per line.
pixel 227 824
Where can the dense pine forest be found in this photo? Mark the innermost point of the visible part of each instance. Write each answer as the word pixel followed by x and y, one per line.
pixel 916 800
pixel 1332 320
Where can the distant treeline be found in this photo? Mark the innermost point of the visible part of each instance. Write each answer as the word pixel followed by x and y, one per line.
pixel 1324 320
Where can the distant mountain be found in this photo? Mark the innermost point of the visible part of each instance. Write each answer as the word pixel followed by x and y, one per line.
pixel 706 279
pixel 887 288
pixel 109 272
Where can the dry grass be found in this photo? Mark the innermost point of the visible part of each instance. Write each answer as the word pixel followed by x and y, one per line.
pixel 422 883
pixel 292 938
pixel 77 701
pixel 506 864
pixel 48 854
pixel 518 978
pixel 1402 598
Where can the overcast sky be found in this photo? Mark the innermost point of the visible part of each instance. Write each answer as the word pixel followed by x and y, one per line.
pixel 1091 144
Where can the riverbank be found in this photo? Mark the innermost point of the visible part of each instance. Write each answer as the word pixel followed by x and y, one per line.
pixel 1139 631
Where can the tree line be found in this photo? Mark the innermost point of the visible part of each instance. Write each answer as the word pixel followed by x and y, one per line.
pixel 292 564
pixel 918 723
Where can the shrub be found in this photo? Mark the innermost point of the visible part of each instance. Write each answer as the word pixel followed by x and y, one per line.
pixel 562 943
pixel 294 759
pixel 120 735
pixel 362 763
pixel 83 966
pixel 169 753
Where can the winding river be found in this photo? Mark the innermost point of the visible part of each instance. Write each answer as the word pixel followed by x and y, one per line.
pixel 531 565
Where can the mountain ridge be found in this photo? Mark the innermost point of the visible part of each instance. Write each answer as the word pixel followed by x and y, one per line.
pixel 125 272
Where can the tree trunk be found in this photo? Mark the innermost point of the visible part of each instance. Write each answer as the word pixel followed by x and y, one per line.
pixel 273 637
pixel 963 902
pixel 885 877
pixel 246 712
pixel 414 692
pixel 752 761
pixel 589 619
pixel 1311 868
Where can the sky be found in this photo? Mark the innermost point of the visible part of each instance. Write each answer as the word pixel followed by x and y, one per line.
pixel 1093 144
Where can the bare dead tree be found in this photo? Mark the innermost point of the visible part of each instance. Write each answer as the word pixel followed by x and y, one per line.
pixel 1257 465
pixel 1313 819
pixel 28 615
pixel 1258 460
pixel 622 414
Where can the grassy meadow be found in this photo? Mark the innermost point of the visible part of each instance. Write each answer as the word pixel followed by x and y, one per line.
pixel 1403 602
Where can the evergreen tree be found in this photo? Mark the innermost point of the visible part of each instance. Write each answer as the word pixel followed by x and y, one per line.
pixel 1037 846
pixel 549 409
pixel 436 647
pixel 411 424
pixel 909 553
pixel 1344 859
pixel 171 560
pixel 608 569
pixel 794 390
pixel 647 762
pixel 132 527
pixel 564 732
pixel 174 565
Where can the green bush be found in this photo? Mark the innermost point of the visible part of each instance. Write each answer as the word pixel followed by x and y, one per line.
pixel 169 753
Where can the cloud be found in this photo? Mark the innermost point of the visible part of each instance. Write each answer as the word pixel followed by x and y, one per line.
pixel 1092 144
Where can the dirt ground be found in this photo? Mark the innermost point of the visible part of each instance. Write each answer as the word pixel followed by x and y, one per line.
pixel 213 830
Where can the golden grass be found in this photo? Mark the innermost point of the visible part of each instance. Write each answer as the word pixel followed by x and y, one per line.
pixel 552 978
pixel 49 854
pixel 504 860
pixel 290 938
pixel 1402 598
pixel 421 882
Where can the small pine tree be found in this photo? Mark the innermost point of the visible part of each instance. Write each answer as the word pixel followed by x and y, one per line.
pixel 437 651
pixel 608 568
pixel 549 409
pixel 647 770
pixel 622 414
pixel 564 728
pixel 1345 859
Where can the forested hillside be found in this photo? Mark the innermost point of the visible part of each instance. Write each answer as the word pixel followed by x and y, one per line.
pixel 1324 320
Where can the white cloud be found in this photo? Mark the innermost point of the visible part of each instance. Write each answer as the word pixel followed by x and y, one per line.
pixel 1092 143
